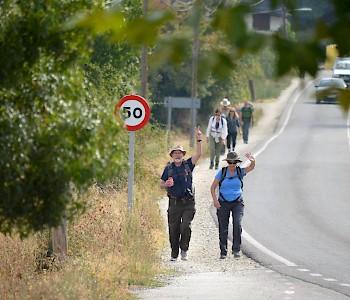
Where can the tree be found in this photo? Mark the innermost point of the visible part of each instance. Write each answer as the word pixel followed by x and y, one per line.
pixel 56 137
pixel 229 20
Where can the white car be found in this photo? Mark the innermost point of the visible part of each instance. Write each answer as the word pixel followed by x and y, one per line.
pixel 341 69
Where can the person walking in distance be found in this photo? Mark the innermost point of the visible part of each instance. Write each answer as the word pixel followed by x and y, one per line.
pixel 229 200
pixel 177 180
pixel 225 110
pixel 232 128
pixel 247 120
pixel 225 107
pixel 216 137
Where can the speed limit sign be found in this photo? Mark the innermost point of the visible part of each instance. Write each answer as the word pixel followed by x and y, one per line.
pixel 134 110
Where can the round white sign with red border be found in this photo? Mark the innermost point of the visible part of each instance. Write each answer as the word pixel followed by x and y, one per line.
pixel 134 110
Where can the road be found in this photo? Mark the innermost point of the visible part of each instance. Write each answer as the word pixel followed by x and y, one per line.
pixel 298 204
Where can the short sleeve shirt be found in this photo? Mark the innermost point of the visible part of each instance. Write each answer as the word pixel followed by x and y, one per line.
pixel 231 186
pixel 182 180
pixel 247 112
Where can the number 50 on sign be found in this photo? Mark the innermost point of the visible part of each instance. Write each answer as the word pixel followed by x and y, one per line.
pixel 134 110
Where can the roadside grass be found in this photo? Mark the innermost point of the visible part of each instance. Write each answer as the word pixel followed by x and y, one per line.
pixel 268 89
pixel 110 248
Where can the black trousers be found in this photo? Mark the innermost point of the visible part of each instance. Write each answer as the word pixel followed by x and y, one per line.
pixel 223 214
pixel 180 216
pixel 231 141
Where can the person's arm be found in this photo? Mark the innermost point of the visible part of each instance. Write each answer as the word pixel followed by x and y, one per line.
pixel 252 162
pixel 198 154
pixel 240 116
pixel 162 184
pixel 224 129
pixel 213 193
pixel 165 180
pixel 208 129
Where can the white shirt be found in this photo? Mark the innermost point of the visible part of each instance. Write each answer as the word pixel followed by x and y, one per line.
pixel 221 132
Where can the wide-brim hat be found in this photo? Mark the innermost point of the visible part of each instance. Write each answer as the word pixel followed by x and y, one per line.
pixel 232 156
pixel 225 102
pixel 177 148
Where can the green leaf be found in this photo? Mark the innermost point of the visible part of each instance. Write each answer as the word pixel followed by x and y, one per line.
pixel 344 99
pixel 231 21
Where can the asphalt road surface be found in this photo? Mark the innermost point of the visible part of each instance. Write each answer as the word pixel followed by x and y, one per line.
pixel 297 218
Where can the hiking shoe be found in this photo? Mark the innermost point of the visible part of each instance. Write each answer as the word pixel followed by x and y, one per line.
pixel 236 254
pixel 211 166
pixel 223 256
pixel 183 255
pixel 173 259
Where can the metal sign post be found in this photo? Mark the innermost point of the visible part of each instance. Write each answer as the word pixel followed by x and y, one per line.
pixel 136 112
pixel 182 102
pixel 131 169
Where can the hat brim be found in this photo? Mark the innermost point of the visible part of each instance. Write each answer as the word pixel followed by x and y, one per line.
pixel 238 160
pixel 171 152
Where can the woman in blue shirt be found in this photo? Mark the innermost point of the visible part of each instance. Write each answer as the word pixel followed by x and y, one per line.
pixel 229 200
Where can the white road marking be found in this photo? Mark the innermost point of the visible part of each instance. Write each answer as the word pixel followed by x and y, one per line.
pixel 329 279
pixel 289 292
pixel 345 284
pixel 248 237
pixel 303 270
pixel 285 123
pixel 315 274
pixel 267 251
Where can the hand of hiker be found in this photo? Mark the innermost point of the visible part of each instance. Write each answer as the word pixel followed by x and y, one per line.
pixel 169 182
pixel 217 203
pixel 198 134
pixel 250 156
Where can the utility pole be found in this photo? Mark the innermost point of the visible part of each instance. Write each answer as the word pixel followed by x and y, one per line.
pixel 196 13
pixel 144 64
pixel 143 91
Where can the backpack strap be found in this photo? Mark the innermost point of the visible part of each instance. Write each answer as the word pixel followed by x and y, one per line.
pixel 223 175
pixel 239 173
pixel 170 169
pixel 187 169
pixel 170 166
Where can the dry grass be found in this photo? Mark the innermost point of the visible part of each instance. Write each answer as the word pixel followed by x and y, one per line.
pixel 110 248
